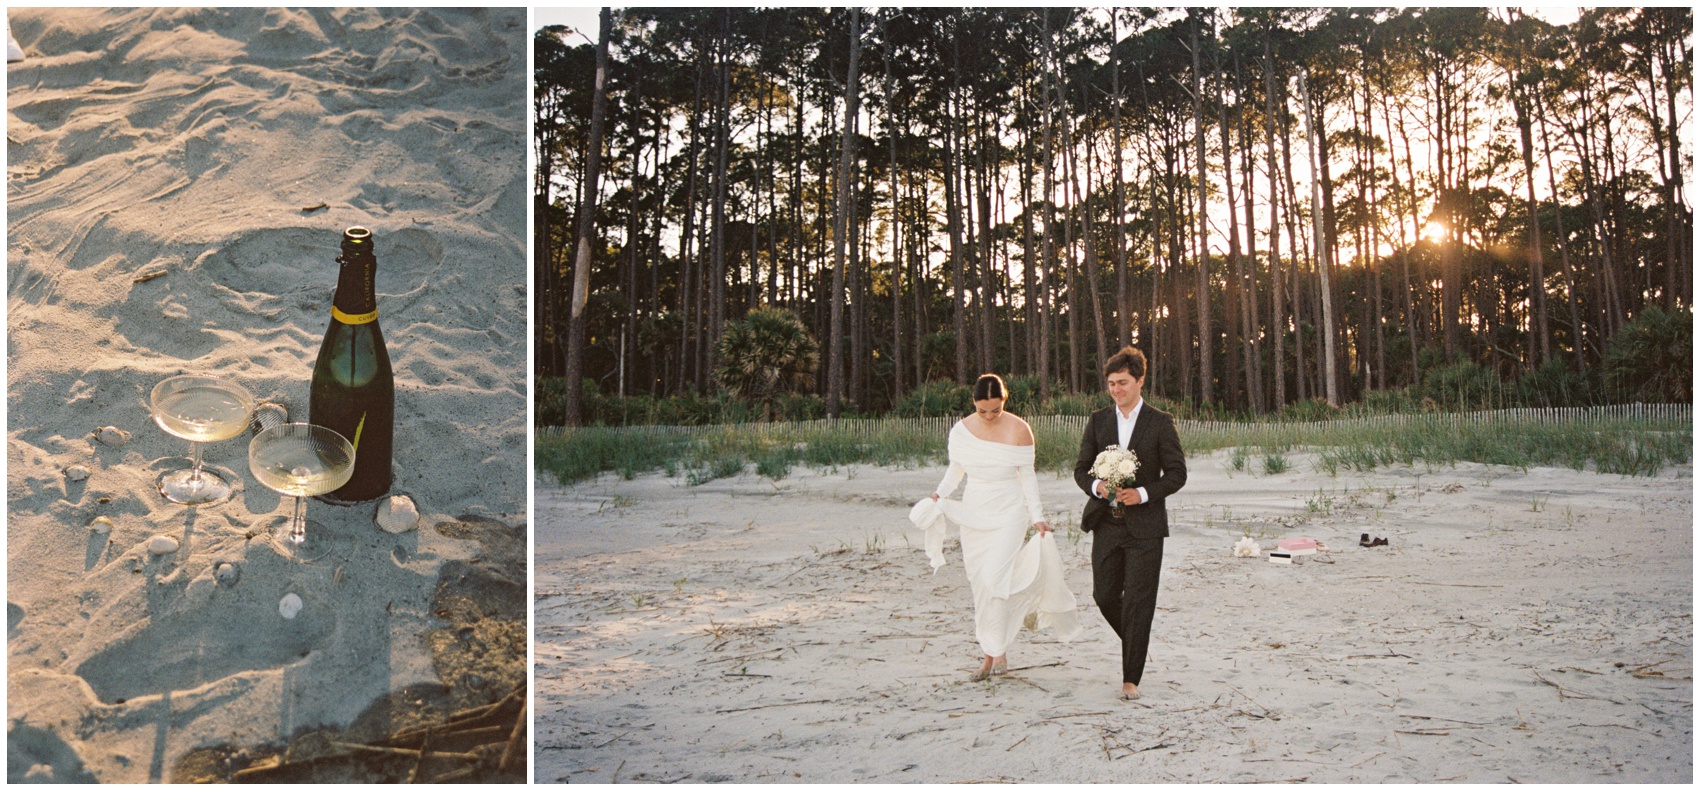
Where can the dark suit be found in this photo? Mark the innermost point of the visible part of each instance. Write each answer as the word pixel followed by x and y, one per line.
pixel 1127 555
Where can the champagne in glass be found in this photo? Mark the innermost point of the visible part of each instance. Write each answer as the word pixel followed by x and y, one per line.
pixel 301 460
pixel 198 409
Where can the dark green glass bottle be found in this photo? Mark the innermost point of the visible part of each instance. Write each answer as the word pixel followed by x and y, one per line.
pixel 353 389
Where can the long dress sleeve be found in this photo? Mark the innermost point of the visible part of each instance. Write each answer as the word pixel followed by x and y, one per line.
pixel 1030 492
pixel 952 476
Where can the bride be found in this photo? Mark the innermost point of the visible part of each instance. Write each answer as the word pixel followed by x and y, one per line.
pixel 1010 580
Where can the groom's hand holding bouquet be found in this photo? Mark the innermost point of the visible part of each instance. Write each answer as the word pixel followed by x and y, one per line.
pixel 1116 466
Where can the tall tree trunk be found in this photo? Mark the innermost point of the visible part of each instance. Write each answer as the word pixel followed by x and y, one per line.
pixel 1324 254
pixel 587 228
pixel 1277 318
pixel 1206 335
pixel 896 222
pixel 842 221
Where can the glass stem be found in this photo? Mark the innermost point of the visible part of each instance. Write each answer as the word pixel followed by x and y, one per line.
pixel 195 453
pixel 298 527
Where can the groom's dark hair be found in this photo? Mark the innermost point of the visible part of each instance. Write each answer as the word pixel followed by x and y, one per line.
pixel 1128 359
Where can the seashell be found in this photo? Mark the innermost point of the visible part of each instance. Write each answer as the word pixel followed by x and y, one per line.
pixel 290 606
pixel 162 545
pixel 101 525
pixel 267 415
pixel 112 435
pixel 397 514
pixel 227 574
pixel 77 472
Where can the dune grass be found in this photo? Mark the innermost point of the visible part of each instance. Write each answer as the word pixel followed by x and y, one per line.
pixel 1603 440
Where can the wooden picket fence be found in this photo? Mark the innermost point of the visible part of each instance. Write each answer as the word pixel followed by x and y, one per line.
pixel 1648 416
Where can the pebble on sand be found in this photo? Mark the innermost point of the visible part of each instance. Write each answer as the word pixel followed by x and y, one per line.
pixel 77 472
pixel 290 606
pixel 227 574
pixel 112 435
pixel 101 525
pixel 162 545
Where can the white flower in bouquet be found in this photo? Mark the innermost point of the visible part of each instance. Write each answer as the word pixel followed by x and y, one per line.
pixel 1247 548
pixel 1115 466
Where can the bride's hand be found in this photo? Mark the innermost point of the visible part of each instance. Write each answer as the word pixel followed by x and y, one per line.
pixel 1043 528
pixel 935 497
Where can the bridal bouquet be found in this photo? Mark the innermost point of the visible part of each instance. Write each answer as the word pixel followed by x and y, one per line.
pixel 1115 466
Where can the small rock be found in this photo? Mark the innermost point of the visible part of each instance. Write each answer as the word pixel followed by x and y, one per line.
pixel 398 514
pixel 101 525
pixel 39 773
pixel 77 472
pixel 162 545
pixel 290 606
pixel 112 435
pixel 227 574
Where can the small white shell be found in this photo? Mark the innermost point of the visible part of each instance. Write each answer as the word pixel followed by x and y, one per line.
pixel 227 574
pixel 77 472
pixel 162 545
pixel 290 606
pixel 101 525
pixel 112 435
pixel 398 514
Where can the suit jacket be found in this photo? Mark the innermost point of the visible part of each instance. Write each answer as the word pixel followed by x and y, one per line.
pixel 1162 470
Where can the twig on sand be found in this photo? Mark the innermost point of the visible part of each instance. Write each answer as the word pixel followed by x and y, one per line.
pixel 417 775
pixel 1443 719
pixel 1367 760
pixel 1572 693
pixel 149 276
pixel 305 209
pixel 1028 683
pixel 616 777
pixel 373 748
pixel 512 747
pixel 755 655
pixel 774 705
pixel 1427 732
pixel 1035 667
pixel 1267 713
pixel 622 735
pixel 1079 714
pixel 1454 584
pixel 1017 744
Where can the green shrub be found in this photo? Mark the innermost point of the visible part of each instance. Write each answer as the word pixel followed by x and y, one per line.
pixel 1651 359
pixel 936 399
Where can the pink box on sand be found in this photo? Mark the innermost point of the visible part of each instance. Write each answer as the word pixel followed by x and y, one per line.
pixel 1298 546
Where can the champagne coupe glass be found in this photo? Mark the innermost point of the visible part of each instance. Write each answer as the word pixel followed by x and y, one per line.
pixel 303 460
pixel 198 409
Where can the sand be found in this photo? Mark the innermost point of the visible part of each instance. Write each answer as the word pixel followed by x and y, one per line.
pixel 222 152
pixel 1521 626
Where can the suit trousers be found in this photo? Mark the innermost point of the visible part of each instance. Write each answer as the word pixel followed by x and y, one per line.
pixel 1124 584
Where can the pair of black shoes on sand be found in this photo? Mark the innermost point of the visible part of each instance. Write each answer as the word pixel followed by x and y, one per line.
pixel 1365 541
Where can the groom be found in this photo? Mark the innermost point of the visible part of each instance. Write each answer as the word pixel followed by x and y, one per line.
pixel 1127 553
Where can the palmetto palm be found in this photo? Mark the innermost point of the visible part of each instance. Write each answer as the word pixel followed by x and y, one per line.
pixel 768 353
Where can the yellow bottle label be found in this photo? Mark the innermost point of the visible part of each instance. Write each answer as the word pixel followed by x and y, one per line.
pixel 353 318
pixel 357 429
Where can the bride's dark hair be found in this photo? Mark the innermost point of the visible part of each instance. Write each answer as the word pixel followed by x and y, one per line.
pixel 989 386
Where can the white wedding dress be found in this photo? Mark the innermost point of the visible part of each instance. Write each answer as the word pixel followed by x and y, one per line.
pixel 1010 580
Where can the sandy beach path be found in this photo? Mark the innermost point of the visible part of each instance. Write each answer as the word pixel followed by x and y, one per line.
pixel 1522 626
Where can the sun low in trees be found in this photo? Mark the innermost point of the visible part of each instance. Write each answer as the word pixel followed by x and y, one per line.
pixel 765 355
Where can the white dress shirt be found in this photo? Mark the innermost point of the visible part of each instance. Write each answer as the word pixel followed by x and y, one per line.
pixel 1124 436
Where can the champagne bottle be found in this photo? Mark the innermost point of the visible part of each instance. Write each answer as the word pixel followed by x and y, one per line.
pixel 353 390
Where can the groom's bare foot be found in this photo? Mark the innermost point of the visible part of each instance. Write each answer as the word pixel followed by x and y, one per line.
pixel 1130 692
pixel 985 671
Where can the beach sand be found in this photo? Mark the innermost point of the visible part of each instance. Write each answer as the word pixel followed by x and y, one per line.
pixel 178 181
pixel 1520 626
